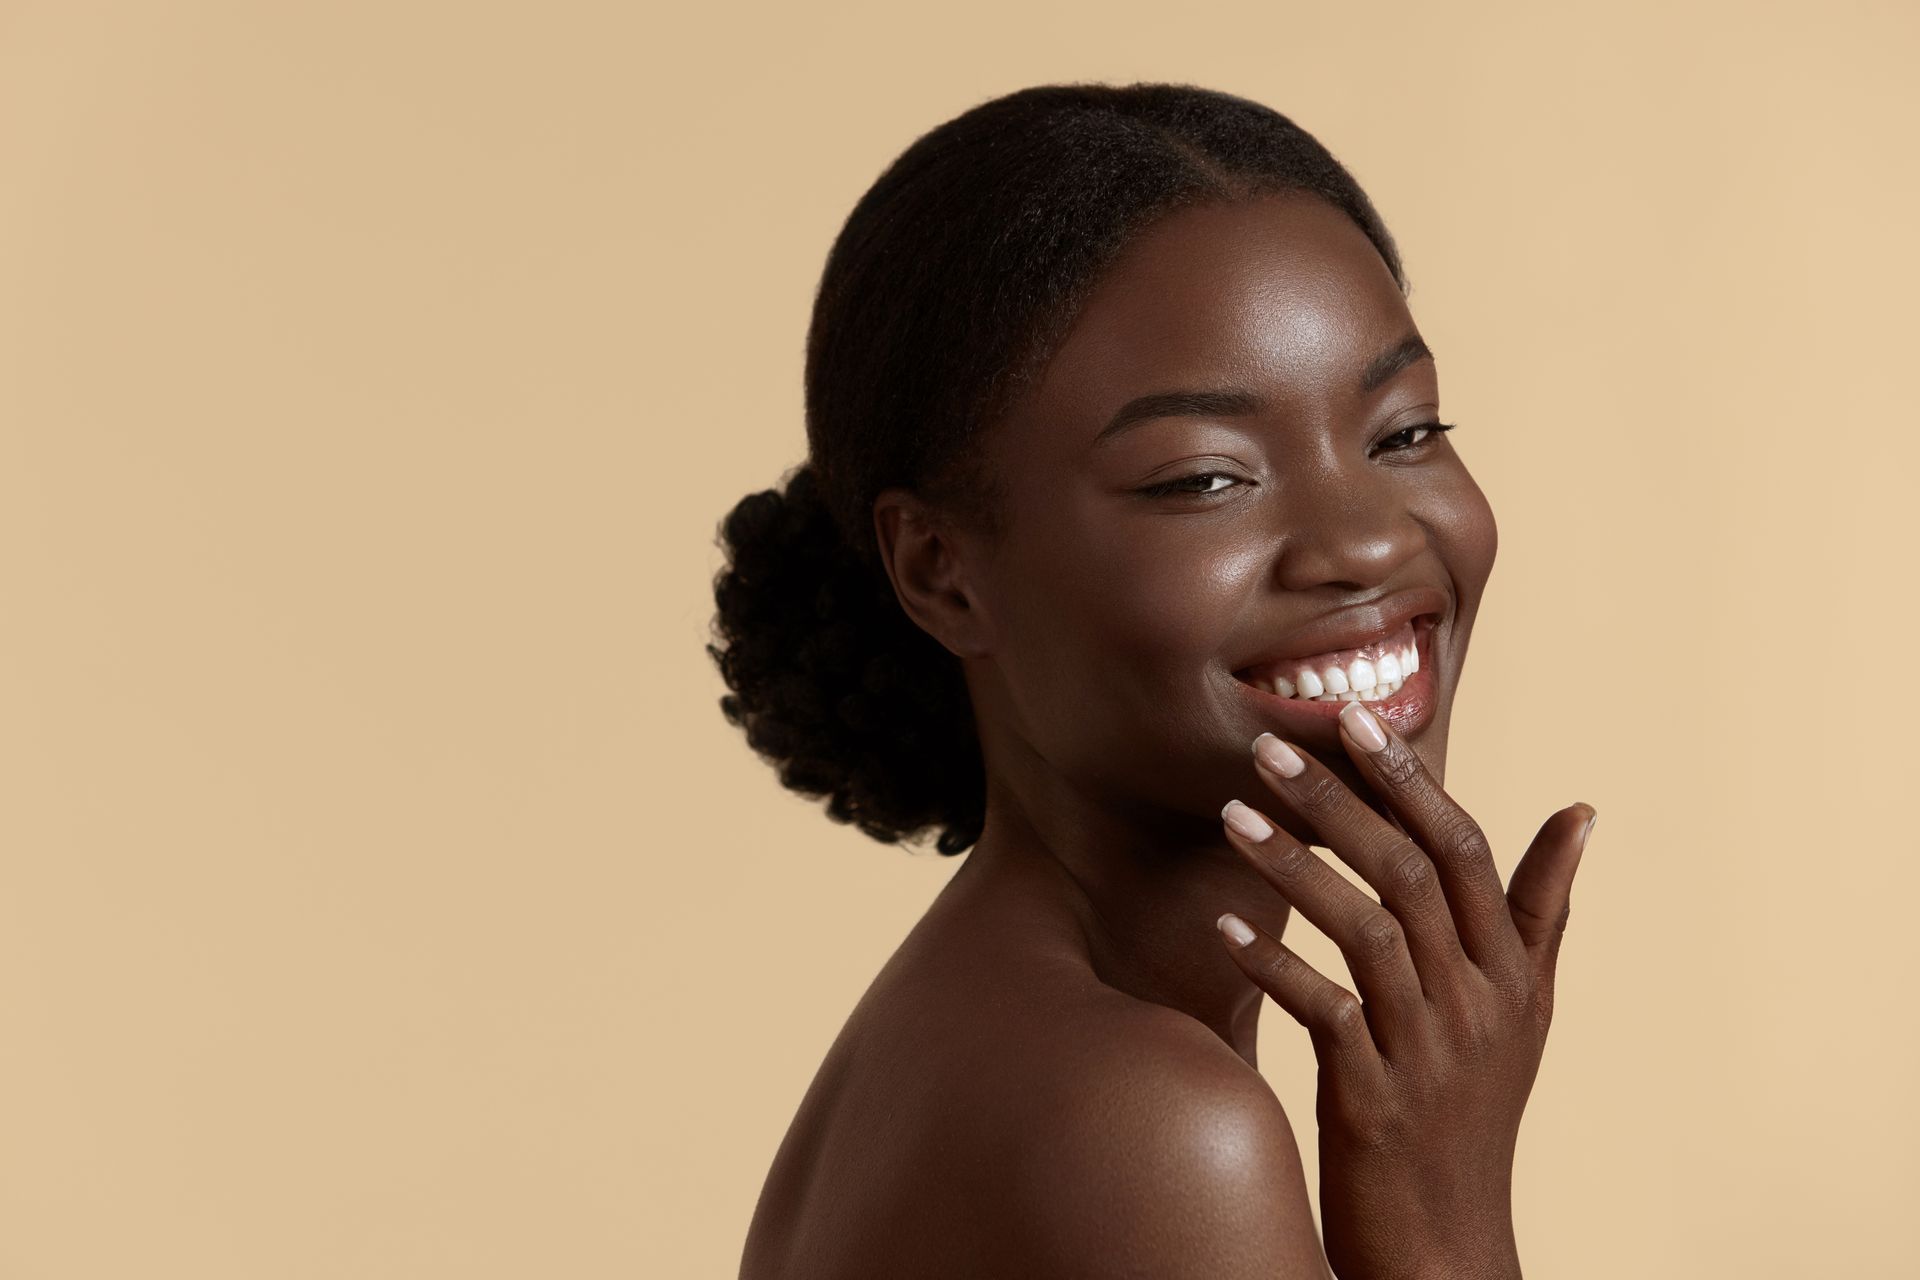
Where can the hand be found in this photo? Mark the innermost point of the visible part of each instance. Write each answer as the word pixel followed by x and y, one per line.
pixel 1424 1075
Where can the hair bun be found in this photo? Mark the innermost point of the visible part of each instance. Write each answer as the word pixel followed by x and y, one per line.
pixel 833 683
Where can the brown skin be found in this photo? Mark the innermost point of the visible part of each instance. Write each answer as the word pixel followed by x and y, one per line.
pixel 1055 1073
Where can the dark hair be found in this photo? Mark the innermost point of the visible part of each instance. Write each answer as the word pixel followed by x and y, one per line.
pixel 950 286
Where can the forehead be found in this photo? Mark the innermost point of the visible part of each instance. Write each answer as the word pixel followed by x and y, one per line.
pixel 1283 294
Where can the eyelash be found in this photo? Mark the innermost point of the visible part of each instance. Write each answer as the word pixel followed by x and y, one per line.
pixel 1172 487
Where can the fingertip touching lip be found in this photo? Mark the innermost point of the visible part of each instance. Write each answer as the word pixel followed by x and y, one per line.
pixel 1340 636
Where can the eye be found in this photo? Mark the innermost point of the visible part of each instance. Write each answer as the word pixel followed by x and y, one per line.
pixel 1179 486
pixel 1432 432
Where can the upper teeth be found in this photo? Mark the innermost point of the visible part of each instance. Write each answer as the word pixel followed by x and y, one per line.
pixel 1357 680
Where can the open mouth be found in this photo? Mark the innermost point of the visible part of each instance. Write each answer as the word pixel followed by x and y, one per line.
pixel 1373 672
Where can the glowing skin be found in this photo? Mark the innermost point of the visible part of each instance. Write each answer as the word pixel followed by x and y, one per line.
pixel 1069 983
pixel 1109 618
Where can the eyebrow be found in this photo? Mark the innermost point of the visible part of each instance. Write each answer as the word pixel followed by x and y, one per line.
pixel 1411 350
pixel 1233 403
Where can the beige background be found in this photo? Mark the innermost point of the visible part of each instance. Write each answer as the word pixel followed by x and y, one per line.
pixel 381 891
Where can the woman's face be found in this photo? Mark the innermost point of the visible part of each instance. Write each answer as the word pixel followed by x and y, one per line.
pixel 1304 519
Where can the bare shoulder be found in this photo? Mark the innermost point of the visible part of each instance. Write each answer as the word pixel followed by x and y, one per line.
pixel 1162 1153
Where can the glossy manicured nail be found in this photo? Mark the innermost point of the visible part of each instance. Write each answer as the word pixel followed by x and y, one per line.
pixel 1586 832
pixel 1278 756
pixel 1235 928
pixel 1362 727
pixel 1246 821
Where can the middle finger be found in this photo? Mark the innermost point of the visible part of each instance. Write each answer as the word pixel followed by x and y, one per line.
pixel 1448 833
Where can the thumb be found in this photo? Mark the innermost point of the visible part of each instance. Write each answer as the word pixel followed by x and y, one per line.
pixel 1539 897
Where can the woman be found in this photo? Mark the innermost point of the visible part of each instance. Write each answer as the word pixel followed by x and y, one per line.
pixel 1128 500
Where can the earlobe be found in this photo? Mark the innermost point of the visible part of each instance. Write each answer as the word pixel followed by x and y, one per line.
pixel 923 561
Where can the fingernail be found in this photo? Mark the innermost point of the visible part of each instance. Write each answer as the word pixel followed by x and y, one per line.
pixel 1235 928
pixel 1362 727
pixel 1278 756
pixel 1586 832
pixel 1246 821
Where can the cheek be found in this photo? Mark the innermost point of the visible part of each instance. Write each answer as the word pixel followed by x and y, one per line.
pixel 1118 627
pixel 1166 592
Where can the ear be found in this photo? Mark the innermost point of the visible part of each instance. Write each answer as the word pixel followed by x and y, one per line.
pixel 924 558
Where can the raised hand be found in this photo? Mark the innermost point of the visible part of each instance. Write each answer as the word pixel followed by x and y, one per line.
pixel 1423 1075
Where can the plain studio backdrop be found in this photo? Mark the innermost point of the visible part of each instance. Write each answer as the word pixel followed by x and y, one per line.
pixel 382 893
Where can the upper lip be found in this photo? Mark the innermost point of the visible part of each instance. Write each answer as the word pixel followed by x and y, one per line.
pixel 1354 626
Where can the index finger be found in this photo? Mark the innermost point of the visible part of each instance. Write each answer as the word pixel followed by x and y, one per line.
pixel 1447 832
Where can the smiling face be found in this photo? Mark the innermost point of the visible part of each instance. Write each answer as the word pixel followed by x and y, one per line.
pixel 1306 510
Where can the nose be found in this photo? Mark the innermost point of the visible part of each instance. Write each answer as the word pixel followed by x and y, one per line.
pixel 1340 531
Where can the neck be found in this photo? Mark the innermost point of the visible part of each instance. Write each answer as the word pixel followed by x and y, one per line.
pixel 1136 893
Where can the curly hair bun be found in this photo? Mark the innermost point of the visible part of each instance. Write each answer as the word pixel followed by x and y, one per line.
pixel 833 683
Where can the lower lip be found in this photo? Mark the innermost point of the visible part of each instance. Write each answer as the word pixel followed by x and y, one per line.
pixel 1409 710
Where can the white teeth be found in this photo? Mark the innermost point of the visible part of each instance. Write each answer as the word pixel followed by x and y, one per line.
pixel 1380 691
pixel 1385 689
pixel 1359 680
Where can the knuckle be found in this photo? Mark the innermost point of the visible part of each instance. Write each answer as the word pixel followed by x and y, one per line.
pixel 1540 927
pixel 1380 935
pixel 1479 1028
pixel 1464 835
pixel 1514 996
pixel 1272 967
pixel 1523 914
pixel 1411 874
pixel 1472 1037
pixel 1289 861
pixel 1400 768
pixel 1324 795
pixel 1343 1013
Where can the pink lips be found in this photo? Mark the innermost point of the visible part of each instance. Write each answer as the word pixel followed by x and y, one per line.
pixel 1409 710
